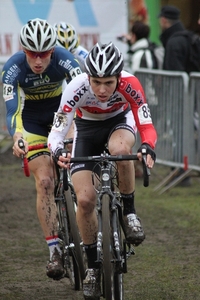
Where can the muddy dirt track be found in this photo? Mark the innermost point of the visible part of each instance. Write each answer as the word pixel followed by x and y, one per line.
pixel 166 266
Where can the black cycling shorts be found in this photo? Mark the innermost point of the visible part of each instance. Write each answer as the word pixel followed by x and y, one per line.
pixel 91 137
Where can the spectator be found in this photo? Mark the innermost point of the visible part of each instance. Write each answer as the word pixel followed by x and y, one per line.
pixel 139 41
pixel 176 46
pixel 144 53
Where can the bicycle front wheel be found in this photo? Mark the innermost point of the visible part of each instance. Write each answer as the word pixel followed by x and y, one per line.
pixel 74 231
pixel 112 260
pixel 69 261
pixel 107 259
pixel 119 261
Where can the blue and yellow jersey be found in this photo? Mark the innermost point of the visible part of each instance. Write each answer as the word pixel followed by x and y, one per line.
pixel 40 91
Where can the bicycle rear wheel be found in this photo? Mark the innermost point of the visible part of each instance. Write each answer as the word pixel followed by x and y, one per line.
pixel 69 260
pixel 74 231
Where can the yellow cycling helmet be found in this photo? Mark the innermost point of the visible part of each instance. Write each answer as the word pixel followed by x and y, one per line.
pixel 66 36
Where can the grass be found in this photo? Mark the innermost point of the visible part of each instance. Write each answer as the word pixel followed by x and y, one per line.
pixel 166 265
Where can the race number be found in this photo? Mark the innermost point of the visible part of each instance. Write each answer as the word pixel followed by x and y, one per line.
pixel 7 91
pixel 59 122
pixel 74 72
pixel 144 114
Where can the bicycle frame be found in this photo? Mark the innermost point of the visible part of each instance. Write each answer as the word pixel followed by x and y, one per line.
pixel 69 237
pixel 107 188
pixel 64 203
pixel 65 199
pixel 111 248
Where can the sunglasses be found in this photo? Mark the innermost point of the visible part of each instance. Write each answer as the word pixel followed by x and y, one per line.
pixel 33 54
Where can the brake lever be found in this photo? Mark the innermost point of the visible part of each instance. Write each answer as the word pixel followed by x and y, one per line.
pixel 21 146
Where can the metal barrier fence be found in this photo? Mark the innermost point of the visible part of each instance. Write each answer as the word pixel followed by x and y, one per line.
pixel 194 98
pixel 172 98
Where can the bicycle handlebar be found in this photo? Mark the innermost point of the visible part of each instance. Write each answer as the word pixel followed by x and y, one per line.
pixel 98 158
pixel 107 157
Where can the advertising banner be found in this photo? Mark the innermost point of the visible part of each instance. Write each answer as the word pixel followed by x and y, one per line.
pixel 94 20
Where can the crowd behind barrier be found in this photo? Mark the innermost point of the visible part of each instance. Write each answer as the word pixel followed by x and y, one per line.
pixel 174 101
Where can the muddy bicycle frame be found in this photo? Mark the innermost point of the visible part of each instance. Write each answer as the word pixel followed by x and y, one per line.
pixel 111 235
pixel 69 237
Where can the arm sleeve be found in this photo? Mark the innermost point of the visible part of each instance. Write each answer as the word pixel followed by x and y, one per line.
pixel 62 119
pixel 61 124
pixel 11 95
pixel 72 67
pixel 136 97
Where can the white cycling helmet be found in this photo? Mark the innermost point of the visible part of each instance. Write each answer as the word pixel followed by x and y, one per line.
pixel 38 35
pixel 66 36
pixel 104 60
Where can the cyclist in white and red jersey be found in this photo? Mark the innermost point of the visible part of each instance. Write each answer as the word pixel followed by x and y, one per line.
pixel 110 106
pixel 39 71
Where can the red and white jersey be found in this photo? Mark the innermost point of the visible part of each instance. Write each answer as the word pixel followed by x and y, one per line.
pixel 79 98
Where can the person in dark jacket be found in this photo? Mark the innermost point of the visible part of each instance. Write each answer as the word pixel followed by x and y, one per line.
pixel 176 46
pixel 176 49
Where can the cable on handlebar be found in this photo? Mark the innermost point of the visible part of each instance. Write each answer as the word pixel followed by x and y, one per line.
pixel 24 158
pixel 101 158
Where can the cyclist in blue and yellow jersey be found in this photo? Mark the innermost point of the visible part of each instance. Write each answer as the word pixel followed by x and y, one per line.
pixel 39 71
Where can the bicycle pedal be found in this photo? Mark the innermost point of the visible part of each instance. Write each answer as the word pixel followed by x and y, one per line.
pixel 131 251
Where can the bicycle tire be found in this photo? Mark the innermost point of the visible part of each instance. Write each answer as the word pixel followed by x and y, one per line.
pixel 107 259
pixel 70 204
pixel 69 260
pixel 118 290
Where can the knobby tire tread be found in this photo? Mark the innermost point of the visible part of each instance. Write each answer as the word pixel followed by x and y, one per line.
pixel 107 264
pixel 118 278
pixel 63 221
pixel 75 232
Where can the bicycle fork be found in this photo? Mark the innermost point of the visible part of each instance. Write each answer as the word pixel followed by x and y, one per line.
pixel 118 250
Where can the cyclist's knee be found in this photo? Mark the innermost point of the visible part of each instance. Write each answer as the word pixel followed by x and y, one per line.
pixel 121 149
pixel 44 182
pixel 86 205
